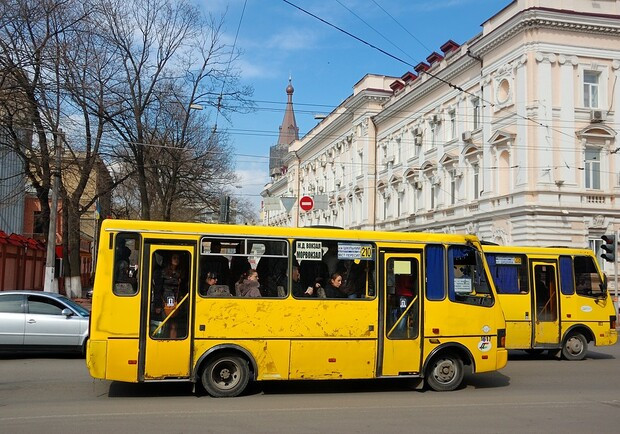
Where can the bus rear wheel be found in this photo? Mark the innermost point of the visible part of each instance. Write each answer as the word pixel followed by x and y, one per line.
pixel 575 347
pixel 445 373
pixel 225 376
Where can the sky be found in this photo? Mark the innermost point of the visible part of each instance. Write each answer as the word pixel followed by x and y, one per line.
pixel 278 41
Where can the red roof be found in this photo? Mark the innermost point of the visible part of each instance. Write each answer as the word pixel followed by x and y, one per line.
pixel 21 241
pixel 397 85
pixel 421 67
pixel 434 57
pixel 408 76
pixel 449 47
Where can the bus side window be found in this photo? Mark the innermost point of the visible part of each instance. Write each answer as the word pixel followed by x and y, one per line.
pixel 587 279
pixel 126 260
pixel 509 273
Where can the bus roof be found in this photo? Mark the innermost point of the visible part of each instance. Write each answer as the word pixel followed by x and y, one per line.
pixel 537 250
pixel 161 227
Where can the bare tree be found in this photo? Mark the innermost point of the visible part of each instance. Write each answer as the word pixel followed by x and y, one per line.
pixel 170 54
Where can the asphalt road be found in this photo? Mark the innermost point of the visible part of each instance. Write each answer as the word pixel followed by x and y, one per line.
pixel 532 394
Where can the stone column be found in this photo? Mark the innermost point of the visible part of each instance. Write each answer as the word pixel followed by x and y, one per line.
pixel 567 123
pixel 542 143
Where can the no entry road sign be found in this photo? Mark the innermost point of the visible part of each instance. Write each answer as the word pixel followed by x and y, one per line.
pixel 306 203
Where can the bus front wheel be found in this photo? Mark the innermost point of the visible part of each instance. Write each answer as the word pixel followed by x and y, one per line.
pixel 225 376
pixel 575 347
pixel 445 372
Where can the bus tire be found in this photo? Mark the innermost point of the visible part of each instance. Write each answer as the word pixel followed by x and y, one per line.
pixel 225 376
pixel 445 372
pixel 575 347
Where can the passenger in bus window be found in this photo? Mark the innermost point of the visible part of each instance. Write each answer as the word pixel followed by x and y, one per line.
pixel 238 266
pixel 170 288
pixel 311 270
pixel 247 286
pixel 298 289
pixel 216 263
pixel 212 289
pixel 332 289
pixel 272 273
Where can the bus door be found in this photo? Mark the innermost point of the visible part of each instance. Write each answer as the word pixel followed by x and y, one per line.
pixel 546 320
pixel 401 328
pixel 167 343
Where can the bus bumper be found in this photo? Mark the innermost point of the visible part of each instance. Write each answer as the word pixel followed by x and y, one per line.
pixel 502 358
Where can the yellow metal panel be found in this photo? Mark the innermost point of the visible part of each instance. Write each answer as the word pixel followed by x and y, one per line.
pixel 271 356
pixel 332 359
pixel 96 354
pixel 122 360
pixel 518 335
pixel 518 312
pixel 238 318
pixel 166 359
pixel 446 318
pixel 547 332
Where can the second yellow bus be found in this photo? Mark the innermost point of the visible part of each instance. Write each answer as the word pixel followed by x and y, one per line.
pixel 554 298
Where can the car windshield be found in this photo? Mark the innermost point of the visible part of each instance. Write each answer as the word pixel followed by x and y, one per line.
pixel 75 306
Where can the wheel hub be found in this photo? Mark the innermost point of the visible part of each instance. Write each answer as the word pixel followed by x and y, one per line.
pixel 225 374
pixel 445 371
pixel 574 346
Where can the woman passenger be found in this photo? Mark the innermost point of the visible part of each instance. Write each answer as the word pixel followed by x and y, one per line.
pixel 247 286
pixel 332 289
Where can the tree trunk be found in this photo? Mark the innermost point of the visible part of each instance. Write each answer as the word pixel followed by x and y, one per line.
pixel 73 272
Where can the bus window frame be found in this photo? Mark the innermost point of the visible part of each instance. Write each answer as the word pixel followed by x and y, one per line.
pixel 525 266
pixel 478 298
pixel 601 293
pixel 374 260
pixel 244 241
pixel 444 273
pixel 139 242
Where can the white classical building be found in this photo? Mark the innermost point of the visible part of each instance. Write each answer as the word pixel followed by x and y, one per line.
pixel 511 136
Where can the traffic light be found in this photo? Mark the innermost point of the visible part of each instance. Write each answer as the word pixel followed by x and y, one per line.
pixel 609 248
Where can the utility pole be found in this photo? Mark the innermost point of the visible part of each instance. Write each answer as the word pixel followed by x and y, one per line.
pixel 48 284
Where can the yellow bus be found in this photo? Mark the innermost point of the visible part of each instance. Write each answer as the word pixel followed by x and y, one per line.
pixel 554 298
pixel 180 302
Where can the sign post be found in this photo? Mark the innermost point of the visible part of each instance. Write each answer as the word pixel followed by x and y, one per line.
pixel 306 203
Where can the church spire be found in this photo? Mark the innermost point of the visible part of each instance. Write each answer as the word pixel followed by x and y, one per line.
pixel 288 130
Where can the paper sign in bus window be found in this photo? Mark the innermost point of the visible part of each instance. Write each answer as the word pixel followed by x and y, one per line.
pixel 363 252
pixel 308 250
pixel 462 286
pixel 402 267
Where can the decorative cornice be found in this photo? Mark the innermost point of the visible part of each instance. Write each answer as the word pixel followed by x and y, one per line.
pixel 537 18
pixel 421 89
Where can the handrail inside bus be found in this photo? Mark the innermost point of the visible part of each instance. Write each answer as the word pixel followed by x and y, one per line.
pixel 170 316
pixel 402 315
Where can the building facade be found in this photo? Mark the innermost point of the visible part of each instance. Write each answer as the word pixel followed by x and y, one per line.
pixel 511 136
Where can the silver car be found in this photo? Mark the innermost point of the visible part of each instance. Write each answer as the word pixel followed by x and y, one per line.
pixel 42 321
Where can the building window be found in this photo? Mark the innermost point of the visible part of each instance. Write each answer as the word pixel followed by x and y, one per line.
pixel 432 196
pixel 476 103
pixel 590 89
pixel 476 178
pixel 360 169
pixel 452 125
pixel 593 168
pixel 38 223
pixel 452 187
pixel 386 206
